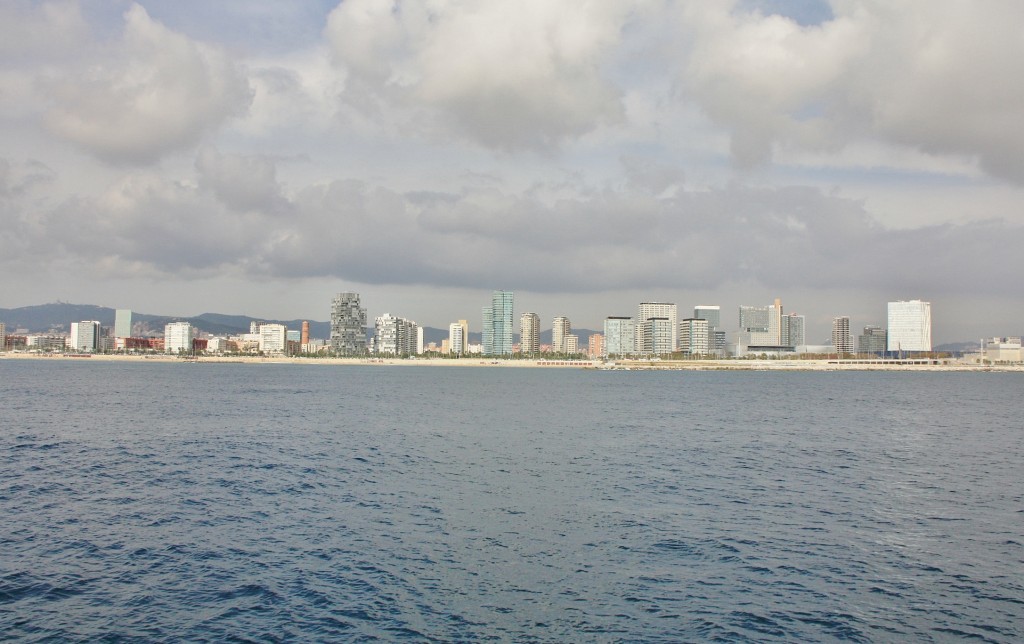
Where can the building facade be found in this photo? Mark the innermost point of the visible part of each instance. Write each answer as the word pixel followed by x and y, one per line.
pixel 560 330
pixel 842 341
pixel 123 323
pixel 666 310
pixel 529 334
pixel 656 336
pixel 273 338
pixel 909 326
pixel 872 340
pixel 85 336
pixel 178 337
pixel 595 345
pixel 619 336
pixel 457 340
pixel 694 336
pixel 395 336
pixel 497 324
pixel 348 325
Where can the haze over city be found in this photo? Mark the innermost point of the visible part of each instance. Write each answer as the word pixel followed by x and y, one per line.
pixel 185 157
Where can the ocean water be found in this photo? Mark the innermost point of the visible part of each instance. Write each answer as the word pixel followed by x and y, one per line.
pixel 279 502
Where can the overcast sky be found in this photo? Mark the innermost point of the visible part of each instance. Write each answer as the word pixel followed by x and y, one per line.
pixel 183 156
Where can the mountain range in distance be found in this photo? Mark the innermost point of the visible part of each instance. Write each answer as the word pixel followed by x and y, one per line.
pixel 58 317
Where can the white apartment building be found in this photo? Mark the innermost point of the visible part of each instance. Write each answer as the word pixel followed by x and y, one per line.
pixel 178 337
pixel 619 336
pixel 909 326
pixel 529 334
pixel 85 336
pixel 395 336
pixel 560 330
pixel 842 340
pixel 694 336
pixel 273 338
pixel 457 341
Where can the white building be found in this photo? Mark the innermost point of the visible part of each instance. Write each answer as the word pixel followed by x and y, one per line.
pixel 560 330
pixel 395 336
pixel 1003 350
pixel 909 326
pixel 3 336
pixel 273 338
pixel 85 336
pixel 572 344
pixel 656 336
pixel 666 310
pixel 457 342
pixel 178 337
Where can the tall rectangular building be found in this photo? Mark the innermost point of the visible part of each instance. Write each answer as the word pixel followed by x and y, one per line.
pixel 619 336
pixel 872 340
pixel 395 336
pixel 595 345
pixel 529 334
pixel 273 338
pixel 560 330
pixel 713 314
pixel 178 337
pixel 85 336
pixel 348 325
pixel 123 323
pixel 842 341
pixel 456 339
pixel 693 336
pixel 656 336
pixel 909 326
pixel 792 330
pixel 666 310
pixel 497 322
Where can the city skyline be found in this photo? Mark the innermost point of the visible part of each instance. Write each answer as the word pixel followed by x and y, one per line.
pixel 188 157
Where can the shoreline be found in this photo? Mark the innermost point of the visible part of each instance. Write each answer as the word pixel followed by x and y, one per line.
pixel 618 365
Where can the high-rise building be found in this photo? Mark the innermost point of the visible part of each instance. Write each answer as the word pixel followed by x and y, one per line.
pixel 792 330
pixel 395 336
pixel 457 340
pixel 711 313
pixel 560 330
pixel 766 326
pixel 497 324
pixel 273 338
pixel 572 344
pixel 85 336
pixel 178 337
pixel 842 341
pixel 465 335
pixel 529 334
pixel 656 336
pixel 3 336
pixel 619 336
pixel 667 310
pixel 348 325
pixel 910 326
pixel 872 340
pixel 123 323
pixel 595 345
pixel 693 336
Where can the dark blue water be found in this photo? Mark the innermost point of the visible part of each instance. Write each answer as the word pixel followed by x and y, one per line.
pixel 278 502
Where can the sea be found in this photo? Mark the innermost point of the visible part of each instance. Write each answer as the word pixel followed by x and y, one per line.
pixel 275 502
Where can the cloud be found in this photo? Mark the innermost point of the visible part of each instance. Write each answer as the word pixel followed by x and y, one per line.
pixel 149 94
pixel 44 30
pixel 241 182
pixel 511 76
pixel 934 77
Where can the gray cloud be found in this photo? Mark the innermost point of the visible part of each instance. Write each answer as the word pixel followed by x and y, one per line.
pixel 153 92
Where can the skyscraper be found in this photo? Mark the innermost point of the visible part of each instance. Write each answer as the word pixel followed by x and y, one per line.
pixel 348 325
pixel 497 324
pixel 910 326
pixel 85 336
pixel 792 330
pixel 656 336
pixel 872 340
pixel 529 334
pixel 560 330
pixel 595 345
pixel 619 336
pixel 667 310
pixel 395 336
pixel 457 342
pixel 123 323
pixel 693 336
pixel 716 335
pixel 841 338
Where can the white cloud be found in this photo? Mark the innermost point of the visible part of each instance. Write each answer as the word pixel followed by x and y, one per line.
pixel 524 75
pixel 152 92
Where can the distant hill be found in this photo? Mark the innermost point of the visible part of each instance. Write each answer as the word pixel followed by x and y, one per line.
pixel 58 316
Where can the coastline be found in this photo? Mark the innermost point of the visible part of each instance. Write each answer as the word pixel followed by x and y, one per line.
pixel 618 365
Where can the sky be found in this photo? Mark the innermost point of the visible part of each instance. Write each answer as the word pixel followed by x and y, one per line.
pixel 177 157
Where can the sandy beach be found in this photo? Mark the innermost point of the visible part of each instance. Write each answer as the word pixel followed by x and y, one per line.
pixel 622 365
